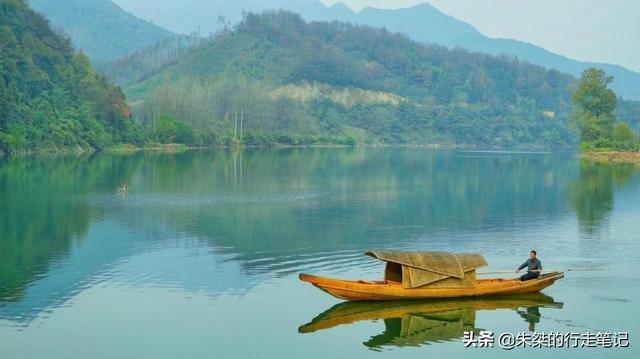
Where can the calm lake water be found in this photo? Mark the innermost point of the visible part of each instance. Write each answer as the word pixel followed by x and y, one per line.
pixel 201 258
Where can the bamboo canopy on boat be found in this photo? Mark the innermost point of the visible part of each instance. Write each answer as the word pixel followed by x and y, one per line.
pixel 433 269
pixel 422 275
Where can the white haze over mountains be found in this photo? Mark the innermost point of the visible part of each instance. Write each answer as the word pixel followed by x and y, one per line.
pixel 590 30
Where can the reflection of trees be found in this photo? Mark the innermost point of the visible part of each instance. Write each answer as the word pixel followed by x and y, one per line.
pixel 41 213
pixel 275 210
pixel 334 199
pixel 592 194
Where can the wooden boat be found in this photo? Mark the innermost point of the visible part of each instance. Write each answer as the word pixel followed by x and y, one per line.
pixel 424 275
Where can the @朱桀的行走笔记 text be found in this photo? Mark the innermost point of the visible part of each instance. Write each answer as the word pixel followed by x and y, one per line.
pixel 508 341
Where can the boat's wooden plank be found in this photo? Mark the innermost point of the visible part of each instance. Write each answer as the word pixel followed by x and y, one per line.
pixel 361 290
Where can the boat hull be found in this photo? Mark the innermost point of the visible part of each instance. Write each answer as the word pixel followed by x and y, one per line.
pixel 387 290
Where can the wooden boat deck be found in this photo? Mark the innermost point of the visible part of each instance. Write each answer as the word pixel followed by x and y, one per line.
pixel 358 290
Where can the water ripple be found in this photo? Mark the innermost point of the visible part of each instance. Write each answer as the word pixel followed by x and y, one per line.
pixel 188 200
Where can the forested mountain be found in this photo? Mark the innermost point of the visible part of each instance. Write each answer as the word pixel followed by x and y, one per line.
pixel 626 84
pixel 50 97
pixel 275 77
pixel 139 65
pixel 427 24
pixel 422 23
pixel 100 28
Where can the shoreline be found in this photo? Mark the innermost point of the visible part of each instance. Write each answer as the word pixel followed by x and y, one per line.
pixel 179 148
pixel 613 157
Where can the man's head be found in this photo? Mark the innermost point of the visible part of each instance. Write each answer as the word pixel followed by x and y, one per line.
pixel 533 254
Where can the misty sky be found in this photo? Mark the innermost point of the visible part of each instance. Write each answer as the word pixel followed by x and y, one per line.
pixel 594 30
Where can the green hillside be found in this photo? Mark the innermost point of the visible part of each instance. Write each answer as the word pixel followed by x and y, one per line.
pixel 289 80
pixel 50 97
pixel 100 28
pixel 426 24
pixel 422 22
pixel 139 65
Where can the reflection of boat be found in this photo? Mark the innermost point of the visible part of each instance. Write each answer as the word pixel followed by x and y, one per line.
pixel 424 275
pixel 423 322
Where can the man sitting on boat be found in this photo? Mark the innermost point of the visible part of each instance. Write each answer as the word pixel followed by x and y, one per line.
pixel 534 267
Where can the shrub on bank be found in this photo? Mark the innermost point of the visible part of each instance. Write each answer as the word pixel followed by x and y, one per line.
pixel 606 145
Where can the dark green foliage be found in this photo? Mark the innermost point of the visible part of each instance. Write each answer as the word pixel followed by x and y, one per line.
pixel 595 105
pixel 318 81
pixel 607 145
pixel 168 129
pixel 595 115
pixel 50 97
pixel 623 133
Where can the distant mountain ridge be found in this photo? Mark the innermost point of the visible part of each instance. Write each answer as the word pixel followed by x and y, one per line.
pixel 422 23
pixel 100 28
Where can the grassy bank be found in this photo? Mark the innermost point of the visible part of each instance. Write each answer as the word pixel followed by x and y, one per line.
pixel 159 147
pixel 613 156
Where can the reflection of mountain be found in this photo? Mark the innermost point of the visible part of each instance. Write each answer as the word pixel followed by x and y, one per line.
pixel 282 206
pixel 66 275
pixel 109 249
pixel 229 219
pixel 44 256
pixel 63 229
pixel 419 323
pixel 39 221
pixel 592 194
